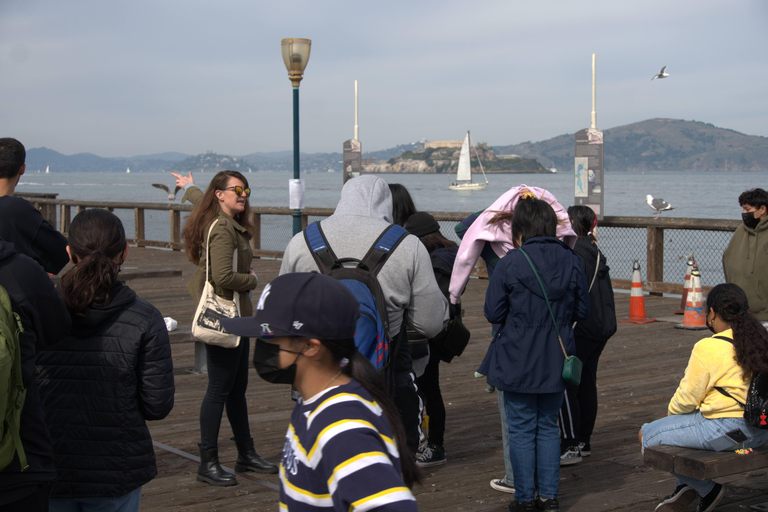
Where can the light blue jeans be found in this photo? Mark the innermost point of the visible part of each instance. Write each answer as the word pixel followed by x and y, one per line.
pixel 534 442
pixel 695 431
pixel 125 503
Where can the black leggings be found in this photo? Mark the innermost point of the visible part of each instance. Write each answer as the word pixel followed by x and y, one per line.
pixel 429 385
pixel 227 383
pixel 579 409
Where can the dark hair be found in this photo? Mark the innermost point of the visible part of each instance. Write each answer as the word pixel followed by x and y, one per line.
pixel 533 217
pixel 361 369
pixel 96 244
pixel 750 339
pixel 402 204
pixel 582 220
pixel 205 212
pixel 12 157
pixel 756 197
pixel 435 241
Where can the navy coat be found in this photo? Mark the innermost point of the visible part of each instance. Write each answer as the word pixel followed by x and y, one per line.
pixel 525 355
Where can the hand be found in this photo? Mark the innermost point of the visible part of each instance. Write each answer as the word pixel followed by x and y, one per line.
pixel 183 180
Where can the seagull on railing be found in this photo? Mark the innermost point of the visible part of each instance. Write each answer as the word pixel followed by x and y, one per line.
pixel 171 196
pixel 658 204
pixel 661 74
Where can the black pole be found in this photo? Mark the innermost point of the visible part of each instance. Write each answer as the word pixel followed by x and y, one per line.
pixel 296 172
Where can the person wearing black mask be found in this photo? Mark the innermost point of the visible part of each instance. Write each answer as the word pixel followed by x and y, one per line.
pixel 745 261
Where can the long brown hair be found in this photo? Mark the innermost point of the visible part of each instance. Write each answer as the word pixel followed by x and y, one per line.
pixel 96 243
pixel 205 212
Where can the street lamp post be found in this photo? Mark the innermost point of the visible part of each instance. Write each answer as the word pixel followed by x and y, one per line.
pixel 295 57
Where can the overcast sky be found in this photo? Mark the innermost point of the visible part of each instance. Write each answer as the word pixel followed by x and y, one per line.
pixel 125 78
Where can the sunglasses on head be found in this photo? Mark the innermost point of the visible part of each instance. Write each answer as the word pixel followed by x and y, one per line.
pixel 239 190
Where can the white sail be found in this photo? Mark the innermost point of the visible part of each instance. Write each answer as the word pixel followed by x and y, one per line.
pixel 465 172
pixel 128 170
pixel 47 169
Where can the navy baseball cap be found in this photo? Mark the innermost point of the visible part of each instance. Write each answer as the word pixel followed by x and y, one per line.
pixel 303 304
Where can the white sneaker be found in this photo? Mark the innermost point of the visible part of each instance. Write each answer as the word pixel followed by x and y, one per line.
pixel 570 455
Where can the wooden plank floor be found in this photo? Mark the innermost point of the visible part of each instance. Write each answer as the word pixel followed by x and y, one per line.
pixel 639 371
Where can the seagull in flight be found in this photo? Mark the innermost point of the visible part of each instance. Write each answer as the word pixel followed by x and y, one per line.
pixel 661 74
pixel 657 204
pixel 171 196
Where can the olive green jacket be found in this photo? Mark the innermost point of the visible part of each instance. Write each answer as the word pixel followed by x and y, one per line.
pixel 226 236
pixel 745 263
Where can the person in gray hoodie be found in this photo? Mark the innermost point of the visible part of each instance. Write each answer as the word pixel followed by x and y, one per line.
pixel 407 281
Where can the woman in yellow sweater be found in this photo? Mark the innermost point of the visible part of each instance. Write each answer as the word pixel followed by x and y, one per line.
pixel 702 417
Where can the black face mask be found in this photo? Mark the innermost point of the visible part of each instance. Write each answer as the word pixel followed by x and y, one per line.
pixel 266 357
pixel 749 220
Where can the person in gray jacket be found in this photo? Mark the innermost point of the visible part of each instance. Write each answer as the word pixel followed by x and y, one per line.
pixel 407 281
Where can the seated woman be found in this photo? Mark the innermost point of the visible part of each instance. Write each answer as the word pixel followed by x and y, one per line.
pixel 701 416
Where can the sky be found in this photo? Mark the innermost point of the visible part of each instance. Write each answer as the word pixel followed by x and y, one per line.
pixel 127 78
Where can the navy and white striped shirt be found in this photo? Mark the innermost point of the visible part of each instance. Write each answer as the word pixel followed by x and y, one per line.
pixel 340 455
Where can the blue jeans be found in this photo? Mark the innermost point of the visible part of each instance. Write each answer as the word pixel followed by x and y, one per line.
pixel 534 442
pixel 509 474
pixel 695 431
pixel 125 503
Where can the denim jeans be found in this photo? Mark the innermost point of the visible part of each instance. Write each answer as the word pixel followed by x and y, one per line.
pixel 534 442
pixel 695 431
pixel 509 474
pixel 125 503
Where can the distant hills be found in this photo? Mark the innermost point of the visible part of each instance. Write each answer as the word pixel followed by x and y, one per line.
pixel 652 145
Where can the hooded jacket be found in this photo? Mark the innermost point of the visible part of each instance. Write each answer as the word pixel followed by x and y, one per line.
pixel 601 322
pixel 406 279
pixel 31 234
pixel 499 236
pixel 525 355
pixel 745 263
pixel 99 386
pixel 45 320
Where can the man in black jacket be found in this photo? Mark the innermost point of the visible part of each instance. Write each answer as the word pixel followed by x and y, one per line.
pixel 45 320
pixel 20 222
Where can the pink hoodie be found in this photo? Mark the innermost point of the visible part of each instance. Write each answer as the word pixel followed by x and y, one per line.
pixel 499 236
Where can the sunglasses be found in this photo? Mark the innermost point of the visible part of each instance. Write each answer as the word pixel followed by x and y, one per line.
pixel 239 190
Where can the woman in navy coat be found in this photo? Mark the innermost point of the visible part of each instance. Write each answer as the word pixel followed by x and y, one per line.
pixel 525 359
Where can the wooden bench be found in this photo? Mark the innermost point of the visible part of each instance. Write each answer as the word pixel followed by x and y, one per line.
pixel 703 464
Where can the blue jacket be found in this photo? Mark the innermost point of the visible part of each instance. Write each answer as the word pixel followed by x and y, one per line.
pixel 525 355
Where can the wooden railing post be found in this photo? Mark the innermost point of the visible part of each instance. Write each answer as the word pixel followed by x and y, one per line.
pixel 256 223
pixel 655 255
pixel 64 219
pixel 175 229
pixel 138 221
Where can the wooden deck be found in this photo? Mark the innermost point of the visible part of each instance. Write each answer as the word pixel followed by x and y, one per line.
pixel 639 371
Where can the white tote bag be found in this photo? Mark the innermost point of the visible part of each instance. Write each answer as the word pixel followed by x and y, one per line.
pixel 206 326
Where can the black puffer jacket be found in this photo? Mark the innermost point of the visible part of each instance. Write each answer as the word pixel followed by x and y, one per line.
pixel 601 322
pixel 98 386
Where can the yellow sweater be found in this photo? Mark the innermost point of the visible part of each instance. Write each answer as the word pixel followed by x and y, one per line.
pixel 712 364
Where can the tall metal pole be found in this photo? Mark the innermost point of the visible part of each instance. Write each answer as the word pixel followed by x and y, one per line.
pixel 356 126
pixel 296 172
pixel 594 114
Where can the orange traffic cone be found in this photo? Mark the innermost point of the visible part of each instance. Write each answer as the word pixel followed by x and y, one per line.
pixel 686 285
pixel 695 317
pixel 636 299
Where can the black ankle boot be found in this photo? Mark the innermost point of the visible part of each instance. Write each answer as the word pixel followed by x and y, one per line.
pixel 249 460
pixel 211 472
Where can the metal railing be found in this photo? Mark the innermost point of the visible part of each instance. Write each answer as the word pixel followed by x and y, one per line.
pixel 662 246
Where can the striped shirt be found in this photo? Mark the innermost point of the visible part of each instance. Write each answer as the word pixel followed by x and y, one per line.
pixel 340 455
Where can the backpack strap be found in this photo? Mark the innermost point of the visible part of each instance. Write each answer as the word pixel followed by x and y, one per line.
pixel 319 248
pixel 387 242
pixel 722 391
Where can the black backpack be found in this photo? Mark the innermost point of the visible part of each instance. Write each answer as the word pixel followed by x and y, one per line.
pixel 756 408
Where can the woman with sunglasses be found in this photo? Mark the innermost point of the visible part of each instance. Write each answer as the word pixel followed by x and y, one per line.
pixel 225 202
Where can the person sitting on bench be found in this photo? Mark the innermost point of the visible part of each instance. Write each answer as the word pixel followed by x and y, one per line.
pixel 701 416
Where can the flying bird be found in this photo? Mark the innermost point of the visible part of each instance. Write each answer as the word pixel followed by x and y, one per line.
pixel 171 196
pixel 657 204
pixel 661 74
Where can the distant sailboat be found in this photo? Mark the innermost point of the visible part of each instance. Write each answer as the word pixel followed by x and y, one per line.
pixel 128 170
pixel 47 169
pixel 464 172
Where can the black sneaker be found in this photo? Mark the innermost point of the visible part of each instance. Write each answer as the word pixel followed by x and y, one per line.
pixel 433 455
pixel 548 504
pixel 585 449
pixel 570 455
pixel 521 506
pixel 711 499
pixel 678 500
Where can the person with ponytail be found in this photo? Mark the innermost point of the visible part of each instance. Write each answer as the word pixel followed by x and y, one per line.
pixel 224 202
pixel 579 410
pixel 345 446
pixel 102 382
pixel 704 413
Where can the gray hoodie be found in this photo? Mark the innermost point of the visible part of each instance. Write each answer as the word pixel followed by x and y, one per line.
pixel 406 279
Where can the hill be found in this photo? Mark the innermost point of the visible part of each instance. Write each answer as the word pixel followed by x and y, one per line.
pixel 40 158
pixel 659 145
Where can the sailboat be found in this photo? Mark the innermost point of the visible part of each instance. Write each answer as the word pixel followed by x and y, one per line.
pixel 128 170
pixel 464 172
pixel 47 169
